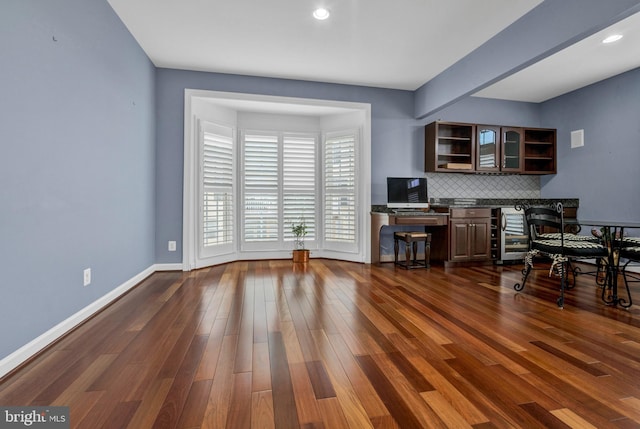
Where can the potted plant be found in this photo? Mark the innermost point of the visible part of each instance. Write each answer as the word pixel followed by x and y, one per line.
pixel 299 230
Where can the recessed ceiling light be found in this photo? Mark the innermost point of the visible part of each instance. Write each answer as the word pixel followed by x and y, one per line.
pixel 612 38
pixel 321 14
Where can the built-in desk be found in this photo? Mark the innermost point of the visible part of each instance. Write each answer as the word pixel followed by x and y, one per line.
pixel 438 224
pixel 427 220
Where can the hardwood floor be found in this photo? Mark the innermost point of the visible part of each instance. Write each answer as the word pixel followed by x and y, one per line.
pixel 343 345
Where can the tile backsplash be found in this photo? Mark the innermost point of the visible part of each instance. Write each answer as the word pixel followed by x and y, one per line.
pixel 453 185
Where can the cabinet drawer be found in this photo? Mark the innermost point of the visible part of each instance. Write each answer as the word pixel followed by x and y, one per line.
pixel 470 213
pixel 419 220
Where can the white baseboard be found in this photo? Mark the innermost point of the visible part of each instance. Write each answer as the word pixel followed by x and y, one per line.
pixel 168 267
pixel 30 349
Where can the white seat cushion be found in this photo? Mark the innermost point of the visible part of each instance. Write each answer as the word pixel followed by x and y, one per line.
pixel 567 237
pixel 574 248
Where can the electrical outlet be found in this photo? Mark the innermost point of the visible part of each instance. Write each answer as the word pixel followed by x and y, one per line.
pixel 87 277
pixel 172 246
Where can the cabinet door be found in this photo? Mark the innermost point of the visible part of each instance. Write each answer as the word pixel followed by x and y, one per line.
pixel 512 150
pixel 459 235
pixel 487 148
pixel 480 239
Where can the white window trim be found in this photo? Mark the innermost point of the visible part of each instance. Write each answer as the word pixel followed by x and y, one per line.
pixel 243 101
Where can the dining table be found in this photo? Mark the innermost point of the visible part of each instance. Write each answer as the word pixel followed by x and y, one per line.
pixel 613 232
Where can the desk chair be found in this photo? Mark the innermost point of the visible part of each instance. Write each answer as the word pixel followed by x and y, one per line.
pixel 560 248
pixel 411 240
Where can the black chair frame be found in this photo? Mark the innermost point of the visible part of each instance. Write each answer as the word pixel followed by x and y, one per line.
pixel 559 246
pixel 632 254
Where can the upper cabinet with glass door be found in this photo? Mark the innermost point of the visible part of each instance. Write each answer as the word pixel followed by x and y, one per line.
pixel 512 150
pixel 471 148
pixel 487 148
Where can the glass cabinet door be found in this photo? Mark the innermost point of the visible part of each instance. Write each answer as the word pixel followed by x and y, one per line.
pixel 515 239
pixel 488 148
pixel 512 148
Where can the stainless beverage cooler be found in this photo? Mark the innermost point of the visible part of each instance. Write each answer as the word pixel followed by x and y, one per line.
pixel 514 240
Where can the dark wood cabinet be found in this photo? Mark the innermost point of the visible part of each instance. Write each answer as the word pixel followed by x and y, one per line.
pixel 459 230
pixel 450 147
pixel 470 234
pixel 539 151
pixel 471 148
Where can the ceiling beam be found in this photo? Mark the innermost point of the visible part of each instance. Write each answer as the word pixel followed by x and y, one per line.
pixel 548 28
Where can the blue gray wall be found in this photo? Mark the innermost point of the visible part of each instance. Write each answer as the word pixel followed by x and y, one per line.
pixel 394 143
pixel 77 164
pixel 605 173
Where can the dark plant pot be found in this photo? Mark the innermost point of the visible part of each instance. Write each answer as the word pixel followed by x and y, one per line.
pixel 301 256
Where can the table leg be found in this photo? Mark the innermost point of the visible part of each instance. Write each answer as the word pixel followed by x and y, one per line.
pixel 396 249
pixel 427 250
pixel 613 246
pixel 407 253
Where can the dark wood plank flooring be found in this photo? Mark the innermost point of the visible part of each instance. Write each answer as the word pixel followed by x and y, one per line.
pixel 265 344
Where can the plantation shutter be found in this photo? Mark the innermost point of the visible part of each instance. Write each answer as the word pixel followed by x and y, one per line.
pixel 217 225
pixel 261 188
pixel 299 184
pixel 340 191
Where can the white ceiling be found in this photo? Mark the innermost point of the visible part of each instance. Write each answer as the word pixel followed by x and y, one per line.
pixel 585 62
pixel 398 44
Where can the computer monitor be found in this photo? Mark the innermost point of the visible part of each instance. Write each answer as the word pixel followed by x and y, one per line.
pixel 407 193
